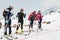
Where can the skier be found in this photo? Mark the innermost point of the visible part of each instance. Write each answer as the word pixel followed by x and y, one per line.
pixel 39 18
pixel 7 16
pixel 31 18
pixel 20 16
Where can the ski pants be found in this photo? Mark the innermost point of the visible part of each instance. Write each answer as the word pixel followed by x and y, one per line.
pixel 20 24
pixel 7 25
pixel 31 24
pixel 39 23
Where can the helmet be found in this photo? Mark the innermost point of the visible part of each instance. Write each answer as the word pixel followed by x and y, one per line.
pixel 34 11
pixel 21 9
pixel 39 11
pixel 10 7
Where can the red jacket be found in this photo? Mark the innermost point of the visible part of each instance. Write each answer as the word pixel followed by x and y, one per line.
pixel 32 14
pixel 39 16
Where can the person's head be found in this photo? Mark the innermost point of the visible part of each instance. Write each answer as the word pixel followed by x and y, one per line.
pixel 10 8
pixel 21 10
pixel 39 11
pixel 52 11
pixel 34 12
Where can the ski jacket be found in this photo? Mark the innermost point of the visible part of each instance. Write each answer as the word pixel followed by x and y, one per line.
pixel 7 15
pixel 20 15
pixel 32 16
pixel 39 16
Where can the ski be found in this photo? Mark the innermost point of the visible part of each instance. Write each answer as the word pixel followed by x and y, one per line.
pixel 27 34
pixel 8 38
pixel 13 37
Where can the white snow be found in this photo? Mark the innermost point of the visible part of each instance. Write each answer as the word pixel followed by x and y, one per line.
pixel 52 32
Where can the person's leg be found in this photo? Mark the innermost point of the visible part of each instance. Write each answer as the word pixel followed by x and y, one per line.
pixel 31 26
pixel 22 26
pixel 17 27
pixel 5 30
pixel 39 25
pixel 9 25
pixel 6 25
pixel 10 29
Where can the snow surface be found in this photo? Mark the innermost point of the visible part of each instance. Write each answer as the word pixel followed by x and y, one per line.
pixel 52 32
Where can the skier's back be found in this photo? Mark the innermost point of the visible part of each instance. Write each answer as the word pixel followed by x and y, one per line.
pixel 20 16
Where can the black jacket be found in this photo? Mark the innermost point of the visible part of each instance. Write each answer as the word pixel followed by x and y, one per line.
pixel 20 16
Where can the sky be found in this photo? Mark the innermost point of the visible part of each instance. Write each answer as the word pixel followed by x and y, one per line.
pixel 28 5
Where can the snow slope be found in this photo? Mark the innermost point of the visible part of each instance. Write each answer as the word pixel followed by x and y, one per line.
pixel 52 32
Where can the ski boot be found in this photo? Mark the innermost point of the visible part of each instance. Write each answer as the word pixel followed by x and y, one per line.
pixel 6 36
pixel 21 32
pixel 16 31
pixel 10 35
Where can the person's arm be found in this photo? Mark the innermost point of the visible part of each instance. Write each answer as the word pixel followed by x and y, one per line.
pixel 17 15
pixel 12 14
pixel 24 15
pixel 29 17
